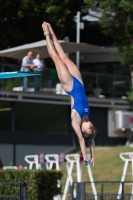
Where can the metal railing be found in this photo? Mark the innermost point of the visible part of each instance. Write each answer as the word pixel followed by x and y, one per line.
pixel 104 191
pixel 18 190
pixel 109 197
pixel 112 85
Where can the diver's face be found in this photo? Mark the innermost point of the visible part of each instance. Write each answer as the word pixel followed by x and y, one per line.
pixel 89 127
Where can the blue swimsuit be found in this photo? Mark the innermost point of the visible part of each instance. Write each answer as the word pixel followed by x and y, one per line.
pixel 80 99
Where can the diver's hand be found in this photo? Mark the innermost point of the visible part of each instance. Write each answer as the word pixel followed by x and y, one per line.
pixel 92 161
pixel 86 162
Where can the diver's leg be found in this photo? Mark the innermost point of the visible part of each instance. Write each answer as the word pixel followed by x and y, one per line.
pixel 70 65
pixel 62 71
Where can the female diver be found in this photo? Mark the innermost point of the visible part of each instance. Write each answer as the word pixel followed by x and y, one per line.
pixel 71 81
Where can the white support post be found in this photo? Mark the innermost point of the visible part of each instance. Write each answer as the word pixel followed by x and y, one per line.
pixel 32 162
pixel 91 179
pixel 71 159
pixel 127 160
pixel 92 182
pixel 78 40
pixel 80 25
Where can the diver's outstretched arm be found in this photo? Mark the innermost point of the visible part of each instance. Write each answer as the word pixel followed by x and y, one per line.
pixel 77 130
pixel 92 150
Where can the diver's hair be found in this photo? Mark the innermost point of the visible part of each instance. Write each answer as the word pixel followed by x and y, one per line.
pixel 87 136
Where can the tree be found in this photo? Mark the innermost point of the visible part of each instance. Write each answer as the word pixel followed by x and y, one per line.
pixel 117 21
pixel 20 20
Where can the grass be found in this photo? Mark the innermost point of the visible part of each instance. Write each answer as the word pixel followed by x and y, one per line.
pixel 108 166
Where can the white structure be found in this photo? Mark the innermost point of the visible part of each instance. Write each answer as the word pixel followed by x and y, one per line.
pixel 71 161
pixel 10 167
pixel 59 89
pixel 54 159
pixel 32 160
pixel 93 16
pixel 51 160
pixel 48 159
pixel 127 157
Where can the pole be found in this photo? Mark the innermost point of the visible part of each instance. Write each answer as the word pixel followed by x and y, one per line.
pixel 78 40
pixel 13 131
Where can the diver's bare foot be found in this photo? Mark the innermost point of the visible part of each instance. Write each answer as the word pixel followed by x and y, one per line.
pixel 45 29
pixel 50 29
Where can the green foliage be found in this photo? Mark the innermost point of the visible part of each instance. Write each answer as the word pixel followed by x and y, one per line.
pixel 126 54
pixel 21 20
pixel 41 184
pixel 129 97
pixel 117 21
